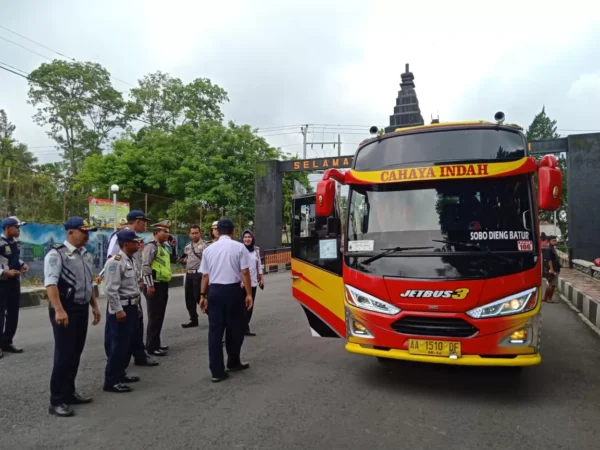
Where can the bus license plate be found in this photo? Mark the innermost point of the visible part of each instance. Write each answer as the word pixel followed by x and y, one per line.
pixel 433 348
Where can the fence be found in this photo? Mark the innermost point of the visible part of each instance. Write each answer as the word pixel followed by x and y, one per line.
pixel 277 259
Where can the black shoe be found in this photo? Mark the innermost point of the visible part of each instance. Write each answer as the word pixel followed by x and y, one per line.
pixel 78 399
pixel 61 410
pixel 130 379
pixel 146 362
pixel 119 388
pixel 158 353
pixel 238 367
pixel 220 378
pixel 164 348
pixel 1 353
pixel 191 324
pixel 10 348
pixel 249 333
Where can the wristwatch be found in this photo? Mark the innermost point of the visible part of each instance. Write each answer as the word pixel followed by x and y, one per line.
pixel 202 295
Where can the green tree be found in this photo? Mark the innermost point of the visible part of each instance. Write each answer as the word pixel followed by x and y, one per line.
pixel 77 102
pixel 166 102
pixel 543 127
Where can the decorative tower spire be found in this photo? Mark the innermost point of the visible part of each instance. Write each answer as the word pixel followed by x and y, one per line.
pixel 406 112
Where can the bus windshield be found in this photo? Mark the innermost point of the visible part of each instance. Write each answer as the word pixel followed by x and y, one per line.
pixel 458 220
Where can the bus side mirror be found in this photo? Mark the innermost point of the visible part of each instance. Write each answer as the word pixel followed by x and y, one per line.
pixel 333 226
pixel 549 184
pixel 325 198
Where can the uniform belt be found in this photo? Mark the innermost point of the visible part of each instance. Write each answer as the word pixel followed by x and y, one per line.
pixel 192 271
pixel 129 301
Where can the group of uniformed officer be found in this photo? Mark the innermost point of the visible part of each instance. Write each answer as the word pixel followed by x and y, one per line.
pixel 68 280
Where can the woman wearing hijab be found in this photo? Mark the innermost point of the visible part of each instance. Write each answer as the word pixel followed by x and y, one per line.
pixel 256 274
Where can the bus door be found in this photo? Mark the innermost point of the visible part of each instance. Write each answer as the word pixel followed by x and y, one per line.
pixel 317 268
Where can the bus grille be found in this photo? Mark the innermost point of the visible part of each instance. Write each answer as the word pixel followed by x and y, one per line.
pixel 433 326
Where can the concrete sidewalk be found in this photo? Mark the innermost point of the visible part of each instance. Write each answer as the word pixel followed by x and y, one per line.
pixel 582 293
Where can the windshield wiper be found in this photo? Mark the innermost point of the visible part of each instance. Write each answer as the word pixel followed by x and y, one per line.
pixel 480 247
pixel 388 251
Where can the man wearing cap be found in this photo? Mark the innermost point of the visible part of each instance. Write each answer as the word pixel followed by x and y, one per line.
pixel 136 221
pixel 11 268
pixel 156 274
pixel 224 265
pixel 192 256
pixel 122 290
pixel 68 282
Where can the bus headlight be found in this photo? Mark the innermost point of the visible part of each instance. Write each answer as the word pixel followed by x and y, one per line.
pixel 366 301
pixel 513 304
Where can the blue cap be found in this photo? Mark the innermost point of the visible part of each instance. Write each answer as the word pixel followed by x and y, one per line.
pixel 12 222
pixel 226 225
pixel 78 223
pixel 127 235
pixel 136 214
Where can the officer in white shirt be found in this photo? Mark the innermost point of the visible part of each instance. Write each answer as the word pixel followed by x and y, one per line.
pixel 224 265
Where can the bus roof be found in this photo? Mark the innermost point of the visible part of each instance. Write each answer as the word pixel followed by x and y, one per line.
pixel 434 126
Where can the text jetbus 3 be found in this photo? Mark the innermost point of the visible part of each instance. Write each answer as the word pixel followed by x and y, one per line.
pixel 438 258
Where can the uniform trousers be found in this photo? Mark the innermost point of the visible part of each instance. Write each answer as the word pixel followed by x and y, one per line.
pixel 138 350
pixel 157 307
pixel 10 299
pixel 249 312
pixel 226 314
pixel 119 336
pixel 192 294
pixel 68 345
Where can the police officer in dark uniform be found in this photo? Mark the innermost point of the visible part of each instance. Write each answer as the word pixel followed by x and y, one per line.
pixel 156 274
pixel 11 268
pixel 224 265
pixel 192 256
pixel 123 294
pixel 68 281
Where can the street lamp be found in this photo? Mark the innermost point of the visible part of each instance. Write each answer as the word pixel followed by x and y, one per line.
pixel 114 189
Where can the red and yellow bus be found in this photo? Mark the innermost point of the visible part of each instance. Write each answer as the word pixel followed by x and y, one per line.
pixel 438 258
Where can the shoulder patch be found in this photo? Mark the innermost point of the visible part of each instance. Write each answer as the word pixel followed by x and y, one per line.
pixel 117 257
pixel 57 246
pixel 112 268
pixel 53 260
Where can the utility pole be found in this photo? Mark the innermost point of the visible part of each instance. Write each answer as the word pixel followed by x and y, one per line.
pixel 304 131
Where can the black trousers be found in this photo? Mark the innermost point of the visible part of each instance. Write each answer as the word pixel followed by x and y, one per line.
pixel 138 349
pixel 192 294
pixel 119 336
pixel 157 307
pixel 10 300
pixel 68 345
pixel 226 314
pixel 249 312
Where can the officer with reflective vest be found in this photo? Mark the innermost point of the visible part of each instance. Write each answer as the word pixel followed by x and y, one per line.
pixel 136 221
pixel 121 285
pixel 68 282
pixel 11 268
pixel 156 274
pixel 225 264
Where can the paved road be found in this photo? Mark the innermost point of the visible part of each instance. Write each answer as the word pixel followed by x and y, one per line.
pixel 303 393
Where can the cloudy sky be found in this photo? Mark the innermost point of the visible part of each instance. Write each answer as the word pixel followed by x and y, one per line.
pixel 332 63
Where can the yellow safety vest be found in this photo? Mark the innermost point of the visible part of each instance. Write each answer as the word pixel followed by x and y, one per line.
pixel 162 264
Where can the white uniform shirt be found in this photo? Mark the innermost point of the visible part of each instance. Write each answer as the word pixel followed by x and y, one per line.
pixel 224 261
pixel 255 266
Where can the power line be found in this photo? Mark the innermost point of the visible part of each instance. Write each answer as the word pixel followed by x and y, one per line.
pixel 28 78
pixel 47 48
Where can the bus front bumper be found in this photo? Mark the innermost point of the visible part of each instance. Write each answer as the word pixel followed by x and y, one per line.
pixel 465 360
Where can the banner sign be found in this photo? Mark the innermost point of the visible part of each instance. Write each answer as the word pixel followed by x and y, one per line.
pixel 102 212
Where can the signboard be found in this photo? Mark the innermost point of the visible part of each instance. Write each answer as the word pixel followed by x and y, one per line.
pixel 546 146
pixel 302 165
pixel 102 212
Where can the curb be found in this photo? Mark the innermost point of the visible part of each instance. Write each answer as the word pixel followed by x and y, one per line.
pixel 587 308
